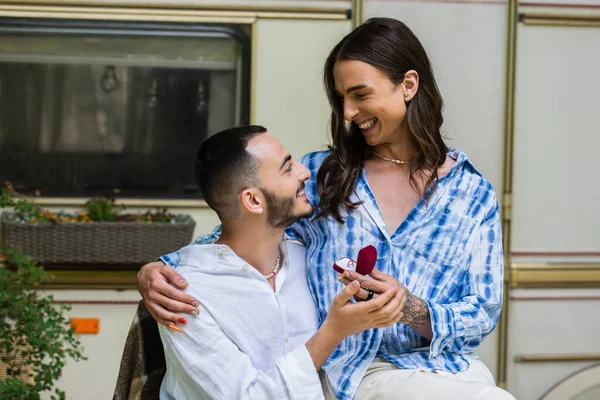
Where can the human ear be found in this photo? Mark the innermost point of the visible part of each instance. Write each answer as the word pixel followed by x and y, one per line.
pixel 252 201
pixel 410 84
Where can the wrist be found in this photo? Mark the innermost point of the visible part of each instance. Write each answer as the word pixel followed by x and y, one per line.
pixel 332 332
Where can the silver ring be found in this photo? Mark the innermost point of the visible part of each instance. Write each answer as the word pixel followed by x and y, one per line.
pixel 370 294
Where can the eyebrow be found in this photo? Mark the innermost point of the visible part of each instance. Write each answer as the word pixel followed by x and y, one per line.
pixel 357 87
pixel 285 161
pixel 352 89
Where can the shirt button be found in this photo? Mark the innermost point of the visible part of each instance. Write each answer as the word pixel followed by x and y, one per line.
pixel 223 250
pixel 245 267
pixel 286 338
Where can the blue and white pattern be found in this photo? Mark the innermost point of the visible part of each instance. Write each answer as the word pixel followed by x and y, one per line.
pixel 447 251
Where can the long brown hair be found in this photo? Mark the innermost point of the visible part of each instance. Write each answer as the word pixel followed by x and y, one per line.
pixel 391 47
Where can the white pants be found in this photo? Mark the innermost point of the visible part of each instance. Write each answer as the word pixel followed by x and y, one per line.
pixel 385 381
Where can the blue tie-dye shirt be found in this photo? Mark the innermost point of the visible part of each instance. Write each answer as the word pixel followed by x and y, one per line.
pixel 447 252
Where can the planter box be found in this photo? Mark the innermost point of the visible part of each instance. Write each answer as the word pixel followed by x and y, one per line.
pixel 123 243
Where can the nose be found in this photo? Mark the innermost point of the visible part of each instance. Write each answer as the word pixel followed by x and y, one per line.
pixel 350 110
pixel 303 173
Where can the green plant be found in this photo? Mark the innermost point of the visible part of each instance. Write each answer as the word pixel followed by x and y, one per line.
pixel 35 336
pixel 99 209
pixel 160 214
pixel 24 208
pixel 102 209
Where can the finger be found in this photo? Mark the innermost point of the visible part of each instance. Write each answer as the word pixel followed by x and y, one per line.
pixel 393 319
pixel 379 276
pixel 158 284
pixel 173 277
pixel 390 308
pixel 360 295
pixel 393 308
pixel 380 301
pixel 344 296
pixel 172 305
pixel 179 301
pixel 366 283
pixel 354 276
pixel 376 274
pixel 160 314
pixel 145 271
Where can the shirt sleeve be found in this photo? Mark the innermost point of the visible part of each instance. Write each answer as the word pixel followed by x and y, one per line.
pixel 461 326
pixel 205 361
pixel 172 259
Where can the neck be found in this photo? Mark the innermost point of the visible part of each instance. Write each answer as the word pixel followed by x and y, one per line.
pixel 399 149
pixel 256 244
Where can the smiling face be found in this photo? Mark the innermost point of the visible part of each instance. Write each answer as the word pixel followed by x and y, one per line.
pixel 371 101
pixel 281 181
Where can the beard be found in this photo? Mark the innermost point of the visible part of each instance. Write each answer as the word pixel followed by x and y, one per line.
pixel 280 210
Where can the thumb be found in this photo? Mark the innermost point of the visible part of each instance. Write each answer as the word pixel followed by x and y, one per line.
pixel 173 277
pixel 344 296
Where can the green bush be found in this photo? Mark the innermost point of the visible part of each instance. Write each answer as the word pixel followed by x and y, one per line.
pixel 102 209
pixel 35 336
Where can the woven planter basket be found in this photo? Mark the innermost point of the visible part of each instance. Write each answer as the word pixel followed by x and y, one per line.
pixel 121 243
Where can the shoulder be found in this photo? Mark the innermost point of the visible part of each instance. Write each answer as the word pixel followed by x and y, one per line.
pixel 199 257
pixel 295 249
pixel 466 169
pixel 471 184
pixel 313 160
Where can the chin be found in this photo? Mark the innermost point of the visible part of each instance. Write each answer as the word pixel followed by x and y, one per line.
pixel 305 211
pixel 371 141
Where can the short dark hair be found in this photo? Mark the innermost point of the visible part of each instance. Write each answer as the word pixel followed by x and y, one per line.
pixel 224 168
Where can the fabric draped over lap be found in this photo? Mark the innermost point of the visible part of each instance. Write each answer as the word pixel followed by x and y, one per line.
pixel 143 362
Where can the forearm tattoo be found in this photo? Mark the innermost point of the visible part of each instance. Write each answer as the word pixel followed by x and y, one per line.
pixel 416 313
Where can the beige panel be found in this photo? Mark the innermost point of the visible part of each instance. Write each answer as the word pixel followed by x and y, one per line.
pixel 95 378
pixel 549 323
pixel 556 195
pixel 466 43
pixel 531 381
pixel 583 385
pixel 290 100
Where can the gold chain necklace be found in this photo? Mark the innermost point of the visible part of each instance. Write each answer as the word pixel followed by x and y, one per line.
pixel 393 160
pixel 276 269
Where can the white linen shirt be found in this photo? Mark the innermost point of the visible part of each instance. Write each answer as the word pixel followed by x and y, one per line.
pixel 248 341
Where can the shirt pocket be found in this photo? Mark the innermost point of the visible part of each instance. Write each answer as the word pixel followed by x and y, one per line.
pixel 440 252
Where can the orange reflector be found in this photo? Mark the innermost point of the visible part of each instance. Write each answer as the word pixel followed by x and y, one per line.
pixel 85 325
